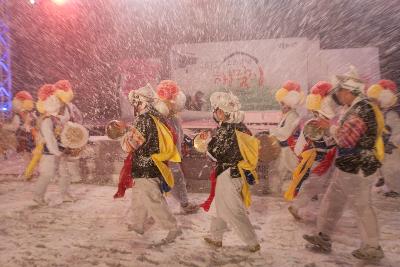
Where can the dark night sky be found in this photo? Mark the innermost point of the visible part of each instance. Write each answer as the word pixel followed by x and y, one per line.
pixel 83 40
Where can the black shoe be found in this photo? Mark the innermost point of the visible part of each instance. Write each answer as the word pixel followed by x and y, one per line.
pixel 380 182
pixel 213 242
pixel 295 213
pixel 321 240
pixel 391 194
pixel 368 253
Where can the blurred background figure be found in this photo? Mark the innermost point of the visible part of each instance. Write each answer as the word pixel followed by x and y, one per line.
pixel 70 112
pixel 195 102
pixel 384 94
pixel 170 93
pixel 18 134
pixel 52 160
pixel 287 132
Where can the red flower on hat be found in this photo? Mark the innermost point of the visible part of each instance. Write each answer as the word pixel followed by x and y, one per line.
pixel 163 94
pixel 167 90
pixel 23 95
pixel 64 85
pixel 45 91
pixel 321 88
pixel 388 84
pixel 291 86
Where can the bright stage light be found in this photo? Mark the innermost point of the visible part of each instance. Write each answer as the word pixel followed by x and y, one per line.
pixel 59 2
pixel 32 2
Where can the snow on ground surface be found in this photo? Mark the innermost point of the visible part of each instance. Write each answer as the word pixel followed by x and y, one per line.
pixel 93 232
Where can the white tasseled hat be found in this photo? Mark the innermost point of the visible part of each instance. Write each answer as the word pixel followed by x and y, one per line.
pixel 143 94
pixel 290 94
pixel 350 81
pixel 225 101
pixel 23 101
pixel 319 99
pixel 47 100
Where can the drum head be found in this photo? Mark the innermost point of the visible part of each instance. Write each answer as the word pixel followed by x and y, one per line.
pixel 269 148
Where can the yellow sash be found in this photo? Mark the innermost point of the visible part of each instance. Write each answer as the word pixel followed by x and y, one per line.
pixel 168 152
pixel 37 151
pixel 249 149
pixel 36 156
pixel 379 145
pixel 308 158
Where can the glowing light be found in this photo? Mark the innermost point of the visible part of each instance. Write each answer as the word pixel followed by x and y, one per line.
pixel 59 2
pixel 32 2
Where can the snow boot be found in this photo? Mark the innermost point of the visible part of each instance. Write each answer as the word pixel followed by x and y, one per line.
pixel 172 235
pixel 368 253
pixel 190 208
pixel 392 194
pixel 380 182
pixel 40 201
pixel 254 248
pixel 321 241
pixel 215 243
pixel 294 213
pixel 139 231
pixel 68 198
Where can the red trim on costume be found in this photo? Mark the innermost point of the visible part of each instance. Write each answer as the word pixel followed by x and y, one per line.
pixel 350 132
pixel 292 142
pixel 326 163
pixel 125 176
pixel 174 134
pixel 213 179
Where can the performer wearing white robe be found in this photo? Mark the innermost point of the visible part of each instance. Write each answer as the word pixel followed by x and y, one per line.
pixel 287 131
pixel 384 94
pixel 52 160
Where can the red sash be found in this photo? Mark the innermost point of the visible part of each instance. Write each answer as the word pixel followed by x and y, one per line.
pixel 125 177
pixel 213 179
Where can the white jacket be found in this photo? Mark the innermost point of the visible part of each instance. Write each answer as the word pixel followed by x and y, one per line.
pixel 71 113
pixel 47 131
pixel 13 125
pixel 289 122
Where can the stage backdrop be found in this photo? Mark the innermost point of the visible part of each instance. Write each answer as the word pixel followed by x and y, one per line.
pixel 255 69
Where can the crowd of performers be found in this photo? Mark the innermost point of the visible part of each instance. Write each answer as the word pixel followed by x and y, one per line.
pixel 338 154
pixel 350 141
pixel 38 133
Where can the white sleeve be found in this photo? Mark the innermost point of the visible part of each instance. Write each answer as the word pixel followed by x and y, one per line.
pixel 66 116
pixel 291 122
pixel 76 114
pixel 300 144
pixel 332 131
pixel 13 125
pixel 131 140
pixel 211 157
pixel 125 144
pixel 47 131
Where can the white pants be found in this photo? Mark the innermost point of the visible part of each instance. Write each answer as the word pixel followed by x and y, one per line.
pixel 179 191
pixel 91 168
pixel 314 185
pixel 282 169
pixel 356 190
pixel 147 200
pixel 72 164
pixel 49 165
pixel 390 170
pixel 231 210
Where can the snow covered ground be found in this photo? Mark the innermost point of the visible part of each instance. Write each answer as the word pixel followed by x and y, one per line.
pixel 93 232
